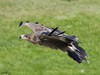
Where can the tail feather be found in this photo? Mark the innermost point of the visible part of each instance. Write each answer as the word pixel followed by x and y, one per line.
pixel 81 50
pixel 74 56
pixel 77 53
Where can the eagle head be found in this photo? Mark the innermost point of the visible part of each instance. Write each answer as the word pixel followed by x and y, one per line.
pixel 27 37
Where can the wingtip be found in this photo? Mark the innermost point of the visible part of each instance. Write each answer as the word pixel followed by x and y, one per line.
pixel 20 24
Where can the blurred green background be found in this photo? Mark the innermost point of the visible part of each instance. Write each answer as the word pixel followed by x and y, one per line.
pixel 76 17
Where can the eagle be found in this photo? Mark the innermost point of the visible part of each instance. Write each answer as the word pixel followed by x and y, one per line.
pixel 55 39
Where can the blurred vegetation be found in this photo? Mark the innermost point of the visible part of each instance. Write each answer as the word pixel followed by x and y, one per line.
pixel 76 17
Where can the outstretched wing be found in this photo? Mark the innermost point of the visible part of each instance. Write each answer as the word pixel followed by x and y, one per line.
pixel 56 42
pixel 65 44
pixel 36 27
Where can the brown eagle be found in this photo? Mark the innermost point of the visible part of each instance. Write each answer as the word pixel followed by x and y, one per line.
pixel 55 39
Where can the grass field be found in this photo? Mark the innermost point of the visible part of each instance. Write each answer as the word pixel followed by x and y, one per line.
pixel 76 17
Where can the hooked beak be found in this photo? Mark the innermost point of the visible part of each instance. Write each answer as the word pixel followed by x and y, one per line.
pixel 23 37
pixel 20 24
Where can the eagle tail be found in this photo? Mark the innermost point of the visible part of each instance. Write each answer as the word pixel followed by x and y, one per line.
pixel 74 56
pixel 77 53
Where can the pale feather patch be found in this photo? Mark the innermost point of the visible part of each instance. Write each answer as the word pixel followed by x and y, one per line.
pixel 23 37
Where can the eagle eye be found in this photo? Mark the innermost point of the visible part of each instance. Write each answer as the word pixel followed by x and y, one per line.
pixel 26 36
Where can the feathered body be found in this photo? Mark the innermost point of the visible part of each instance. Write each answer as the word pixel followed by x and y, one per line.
pixel 55 39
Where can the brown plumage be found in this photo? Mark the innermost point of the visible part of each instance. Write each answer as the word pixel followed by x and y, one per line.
pixel 55 39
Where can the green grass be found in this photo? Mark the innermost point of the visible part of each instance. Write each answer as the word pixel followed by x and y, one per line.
pixel 77 17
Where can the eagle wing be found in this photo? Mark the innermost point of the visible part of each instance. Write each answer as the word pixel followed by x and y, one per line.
pixel 64 43
pixel 36 27
pixel 56 42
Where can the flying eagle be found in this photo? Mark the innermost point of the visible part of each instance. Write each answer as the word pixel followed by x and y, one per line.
pixel 55 39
